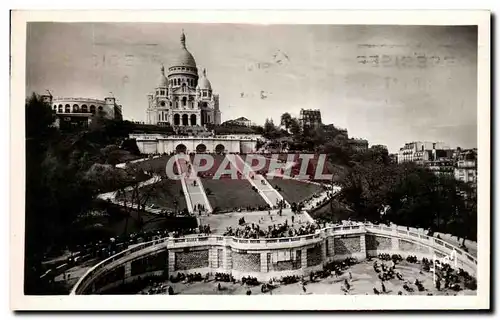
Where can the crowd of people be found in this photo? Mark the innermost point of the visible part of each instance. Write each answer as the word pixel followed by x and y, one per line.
pixel 251 281
pixel 224 277
pixel 204 229
pixel 244 209
pixel 412 259
pixel 387 257
pixel 188 277
pixel 254 231
pixel 290 279
pixel 199 207
pixel 446 276
pixel 158 288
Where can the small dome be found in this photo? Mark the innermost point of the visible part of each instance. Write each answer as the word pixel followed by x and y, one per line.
pixel 162 82
pixel 203 83
pixel 184 58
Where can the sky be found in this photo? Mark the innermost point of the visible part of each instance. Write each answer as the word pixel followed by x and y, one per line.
pixel 388 84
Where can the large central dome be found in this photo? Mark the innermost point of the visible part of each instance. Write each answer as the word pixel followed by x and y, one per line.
pixel 183 58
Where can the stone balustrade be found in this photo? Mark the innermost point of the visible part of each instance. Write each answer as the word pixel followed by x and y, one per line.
pixel 266 257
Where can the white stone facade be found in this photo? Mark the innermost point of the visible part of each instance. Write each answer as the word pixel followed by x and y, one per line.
pixel 158 144
pixel 182 98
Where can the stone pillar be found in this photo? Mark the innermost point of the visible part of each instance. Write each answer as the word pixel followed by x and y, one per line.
pixel 171 261
pixel 228 259
pixel 303 256
pixel 212 257
pixel 323 251
pixel 331 246
pixel 128 270
pixel 263 262
pixel 362 244
pixel 395 244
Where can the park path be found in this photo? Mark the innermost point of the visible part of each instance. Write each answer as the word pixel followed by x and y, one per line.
pixel 111 196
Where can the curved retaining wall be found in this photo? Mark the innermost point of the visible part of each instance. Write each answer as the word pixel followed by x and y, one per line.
pixel 263 258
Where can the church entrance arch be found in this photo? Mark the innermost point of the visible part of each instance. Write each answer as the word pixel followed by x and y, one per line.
pixel 180 148
pixel 219 149
pixel 193 119
pixel 177 119
pixel 201 148
pixel 185 121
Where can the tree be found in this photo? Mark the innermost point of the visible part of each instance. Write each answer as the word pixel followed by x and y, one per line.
pixel 286 120
pixel 55 194
pixel 294 126
pixel 417 197
pixel 270 130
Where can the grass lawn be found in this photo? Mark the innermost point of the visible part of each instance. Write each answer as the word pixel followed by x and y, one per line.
pixel 293 190
pixel 162 194
pixel 231 194
pixel 154 164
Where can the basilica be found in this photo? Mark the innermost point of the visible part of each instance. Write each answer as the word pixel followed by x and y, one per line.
pixel 183 98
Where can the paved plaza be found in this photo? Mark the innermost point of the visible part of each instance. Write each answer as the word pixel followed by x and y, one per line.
pixel 364 279
pixel 220 222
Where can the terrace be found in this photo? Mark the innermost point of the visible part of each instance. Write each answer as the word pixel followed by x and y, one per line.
pixel 220 222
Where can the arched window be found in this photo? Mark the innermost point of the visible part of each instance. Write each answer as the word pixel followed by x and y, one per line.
pixel 185 121
pixel 183 87
pixel 55 107
pixel 193 119
pixel 100 108
pixel 184 101
pixel 177 119
pixel 60 108
pixel 84 108
pixel 67 108
pixel 75 108
pixel 92 109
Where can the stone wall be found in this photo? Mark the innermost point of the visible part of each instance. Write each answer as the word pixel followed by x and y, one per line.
pixel 314 256
pixel 347 245
pixel 378 243
pixel 150 263
pixel 263 260
pixel 112 276
pixel 407 246
pixel 277 260
pixel 191 259
pixel 246 261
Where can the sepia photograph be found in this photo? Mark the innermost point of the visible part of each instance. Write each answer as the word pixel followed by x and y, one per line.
pixel 324 156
